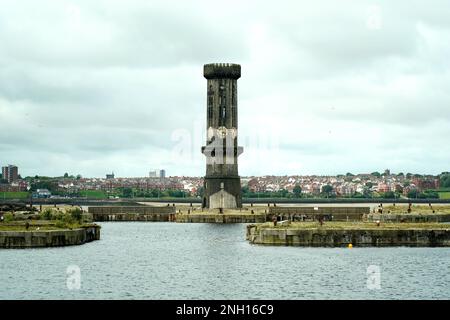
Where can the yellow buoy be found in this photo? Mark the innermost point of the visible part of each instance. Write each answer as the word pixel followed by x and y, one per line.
pixel 350 246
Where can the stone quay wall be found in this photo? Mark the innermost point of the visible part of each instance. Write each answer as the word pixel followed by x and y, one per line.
pixel 312 213
pixel 409 217
pixel 220 218
pixel 132 213
pixel 339 238
pixel 53 238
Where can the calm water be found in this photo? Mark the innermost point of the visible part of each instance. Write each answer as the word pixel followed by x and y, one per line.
pixel 209 261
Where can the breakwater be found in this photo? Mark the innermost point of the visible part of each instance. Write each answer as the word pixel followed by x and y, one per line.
pixel 359 237
pixel 48 238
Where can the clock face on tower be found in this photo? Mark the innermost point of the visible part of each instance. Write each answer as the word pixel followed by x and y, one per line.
pixel 222 132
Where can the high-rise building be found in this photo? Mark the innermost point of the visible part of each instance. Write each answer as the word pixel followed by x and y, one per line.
pixel 152 174
pixel 222 182
pixel 10 173
pixel 162 174
pixel 110 175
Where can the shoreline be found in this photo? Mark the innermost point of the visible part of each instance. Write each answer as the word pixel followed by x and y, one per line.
pixel 248 201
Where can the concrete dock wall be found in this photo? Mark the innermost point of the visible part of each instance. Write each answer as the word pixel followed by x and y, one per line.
pixel 41 239
pixel 359 238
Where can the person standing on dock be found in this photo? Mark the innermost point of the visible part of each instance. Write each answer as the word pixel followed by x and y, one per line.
pixel 321 220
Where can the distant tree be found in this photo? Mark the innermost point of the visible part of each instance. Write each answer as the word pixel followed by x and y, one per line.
pixel 367 192
pixel 201 191
pixel 409 175
pixel 51 186
pixel 66 175
pixel 165 193
pixel 349 174
pixel 369 184
pixel 154 193
pixel 357 195
pixel 176 193
pixel 79 176
pixel 445 181
pixel 430 194
pixel 389 195
pixel 327 189
pixel 127 192
pixel 413 194
pixel 376 174
pixel 400 174
pixel 297 191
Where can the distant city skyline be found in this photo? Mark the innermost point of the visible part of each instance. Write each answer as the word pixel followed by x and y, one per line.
pixel 95 87
pixel 161 173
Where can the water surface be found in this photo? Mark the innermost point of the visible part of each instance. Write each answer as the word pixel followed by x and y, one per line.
pixel 138 260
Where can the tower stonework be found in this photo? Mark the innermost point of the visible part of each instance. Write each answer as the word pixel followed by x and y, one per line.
pixel 222 186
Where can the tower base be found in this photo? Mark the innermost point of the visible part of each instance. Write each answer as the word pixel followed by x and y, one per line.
pixel 222 192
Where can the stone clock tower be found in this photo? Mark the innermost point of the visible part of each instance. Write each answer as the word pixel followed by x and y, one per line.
pixel 222 182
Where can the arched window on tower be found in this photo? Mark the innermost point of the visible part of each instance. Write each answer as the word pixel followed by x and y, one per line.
pixel 233 96
pixel 210 104
pixel 224 114
pixel 234 116
pixel 210 113
pixel 222 111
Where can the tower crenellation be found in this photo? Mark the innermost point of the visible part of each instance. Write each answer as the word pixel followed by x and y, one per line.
pixel 222 70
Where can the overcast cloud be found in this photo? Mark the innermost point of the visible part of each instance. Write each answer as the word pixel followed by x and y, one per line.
pixel 327 87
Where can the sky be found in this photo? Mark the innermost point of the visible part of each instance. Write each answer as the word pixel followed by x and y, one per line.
pixel 91 87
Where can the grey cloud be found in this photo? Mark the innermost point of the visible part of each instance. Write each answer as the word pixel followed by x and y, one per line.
pixel 101 85
pixel 87 35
